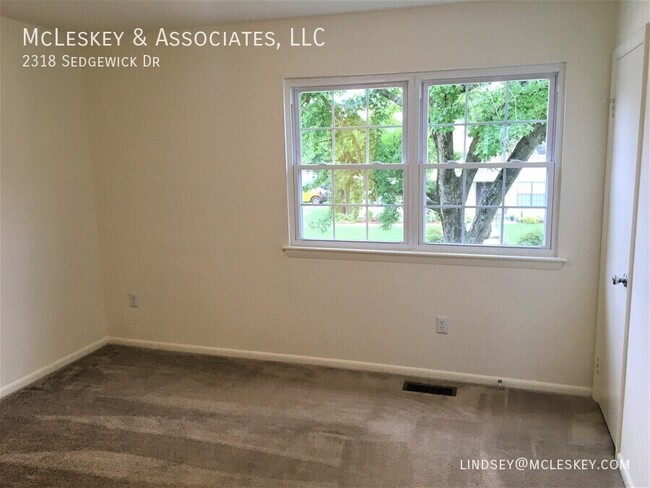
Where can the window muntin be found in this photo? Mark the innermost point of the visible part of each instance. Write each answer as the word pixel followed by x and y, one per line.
pixel 484 157
pixel 352 141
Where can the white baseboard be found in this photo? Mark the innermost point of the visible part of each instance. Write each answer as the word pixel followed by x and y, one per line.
pixel 50 368
pixel 358 365
pixel 298 359
pixel 625 473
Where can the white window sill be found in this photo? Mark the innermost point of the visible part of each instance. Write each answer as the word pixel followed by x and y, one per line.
pixel 454 259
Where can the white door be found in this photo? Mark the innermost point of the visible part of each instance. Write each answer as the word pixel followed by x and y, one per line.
pixel 635 441
pixel 611 339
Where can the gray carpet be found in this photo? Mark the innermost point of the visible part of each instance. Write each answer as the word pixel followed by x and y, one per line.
pixel 129 417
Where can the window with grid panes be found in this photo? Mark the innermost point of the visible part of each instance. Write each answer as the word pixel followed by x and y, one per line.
pixel 469 164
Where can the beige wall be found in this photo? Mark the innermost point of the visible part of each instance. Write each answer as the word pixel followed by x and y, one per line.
pixel 632 16
pixel 52 303
pixel 193 213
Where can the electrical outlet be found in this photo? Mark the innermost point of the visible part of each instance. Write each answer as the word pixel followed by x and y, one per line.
pixel 442 325
pixel 133 300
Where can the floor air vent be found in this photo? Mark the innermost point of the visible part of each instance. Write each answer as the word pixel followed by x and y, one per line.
pixel 430 389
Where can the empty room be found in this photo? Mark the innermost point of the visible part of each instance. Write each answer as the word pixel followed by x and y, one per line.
pixel 341 243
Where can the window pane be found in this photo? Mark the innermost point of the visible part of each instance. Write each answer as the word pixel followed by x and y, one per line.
pixel 350 223
pixel 349 186
pixel 316 222
pixel 538 188
pixel 527 188
pixel 315 109
pixel 385 145
pixel 485 143
pixel 523 199
pixel 350 145
pixel 538 200
pixel 350 108
pixel 316 186
pixel 486 187
pixel 316 146
pixel 526 142
pixel 386 224
pixel 474 226
pixel 433 226
pixel 478 187
pixel 524 227
pixel 486 101
pixel 385 106
pixel 449 186
pixel 431 196
pixel 451 223
pixel 528 100
pixel 483 226
pixel 524 188
pixel 446 104
pixel 445 144
pixel 480 224
pixel 386 186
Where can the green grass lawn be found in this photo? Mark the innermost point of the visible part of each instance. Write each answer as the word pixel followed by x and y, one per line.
pixel 514 231
pixel 357 231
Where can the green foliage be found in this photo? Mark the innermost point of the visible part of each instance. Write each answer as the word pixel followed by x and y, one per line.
pixel 349 215
pixel 385 186
pixel 532 238
pixel 446 104
pixel 490 141
pixel 389 217
pixel 530 220
pixel 433 216
pixel 323 222
pixel 315 179
pixel 486 102
pixel 385 145
pixel 315 110
pixel 349 108
pixel 316 146
pixel 316 113
pixel 385 106
pixel 528 100
pixel 349 187
pixel 350 146
pixel 434 235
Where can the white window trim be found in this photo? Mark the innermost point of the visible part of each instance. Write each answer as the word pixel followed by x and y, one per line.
pixel 413 126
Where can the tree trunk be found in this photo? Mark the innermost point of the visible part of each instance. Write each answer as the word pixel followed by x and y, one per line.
pixel 449 189
pixel 482 224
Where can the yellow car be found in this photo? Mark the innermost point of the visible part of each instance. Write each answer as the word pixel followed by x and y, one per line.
pixel 315 195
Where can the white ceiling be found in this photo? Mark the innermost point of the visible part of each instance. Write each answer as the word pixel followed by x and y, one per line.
pixel 125 14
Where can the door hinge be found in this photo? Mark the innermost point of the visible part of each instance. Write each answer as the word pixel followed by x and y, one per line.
pixel 612 107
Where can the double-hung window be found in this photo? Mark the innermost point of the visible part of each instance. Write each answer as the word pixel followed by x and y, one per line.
pixel 454 162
